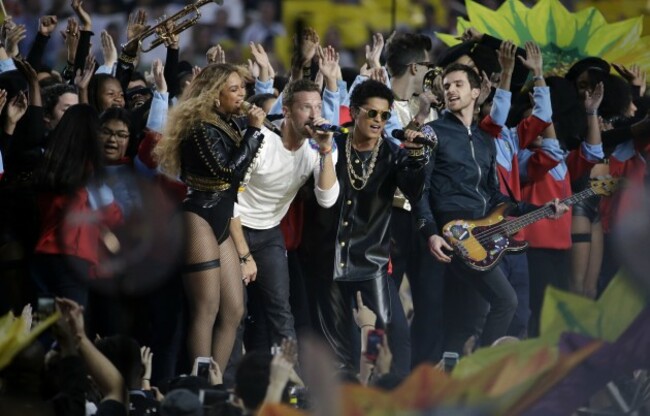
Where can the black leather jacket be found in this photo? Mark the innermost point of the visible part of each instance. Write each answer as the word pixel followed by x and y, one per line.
pixel 350 241
pixel 212 163
pixel 461 179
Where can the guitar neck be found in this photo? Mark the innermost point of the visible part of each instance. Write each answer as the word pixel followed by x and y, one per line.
pixel 517 224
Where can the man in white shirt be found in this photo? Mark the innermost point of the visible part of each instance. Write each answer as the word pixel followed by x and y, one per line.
pixel 281 167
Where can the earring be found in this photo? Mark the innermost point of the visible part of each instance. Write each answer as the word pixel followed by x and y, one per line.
pixel 217 103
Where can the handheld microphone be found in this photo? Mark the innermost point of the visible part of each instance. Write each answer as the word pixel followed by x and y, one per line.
pixel 245 105
pixel 333 128
pixel 399 135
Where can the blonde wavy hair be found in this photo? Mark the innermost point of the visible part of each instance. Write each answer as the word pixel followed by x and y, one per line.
pixel 196 105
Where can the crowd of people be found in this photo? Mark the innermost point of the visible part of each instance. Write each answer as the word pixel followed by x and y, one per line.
pixel 207 218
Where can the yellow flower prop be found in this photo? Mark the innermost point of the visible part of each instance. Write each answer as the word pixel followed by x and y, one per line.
pixel 16 335
pixel 564 37
pixel 507 379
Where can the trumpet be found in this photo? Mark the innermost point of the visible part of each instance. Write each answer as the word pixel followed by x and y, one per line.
pixel 429 80
pixel 162 34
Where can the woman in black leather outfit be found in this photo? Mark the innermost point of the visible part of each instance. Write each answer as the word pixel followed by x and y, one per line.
pixel 204 144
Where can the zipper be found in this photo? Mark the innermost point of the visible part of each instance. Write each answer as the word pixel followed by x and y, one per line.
pixel 480 172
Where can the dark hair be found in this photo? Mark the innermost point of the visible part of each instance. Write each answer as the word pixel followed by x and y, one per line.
pixel 279 82
pixel 472 76
pixel 568 112
pixel 617 98
pixel 116 113
pixel 137 76
pixel 252 378
pixel 124 352
pixel 73 153
pixel 370 89
pixel 294 87
pixel 404 49
pixel 51 94
pixel 96 82
pixel 260 99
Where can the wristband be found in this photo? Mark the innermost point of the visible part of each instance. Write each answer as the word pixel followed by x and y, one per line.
pixel 244 259
pixel 538 78
pixel 592 112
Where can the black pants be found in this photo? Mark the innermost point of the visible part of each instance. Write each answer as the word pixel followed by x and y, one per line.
pixel 477 303
pixel 268 296
pixel 335 303
pixel 515 268
pixel 410 255
pixel 546 267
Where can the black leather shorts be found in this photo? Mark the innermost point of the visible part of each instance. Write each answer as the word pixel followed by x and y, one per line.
pixel 588 208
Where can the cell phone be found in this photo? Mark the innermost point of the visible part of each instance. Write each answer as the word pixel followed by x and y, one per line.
pixel 374 340
pixel 203 367
pixel 449 360
pixel 45 307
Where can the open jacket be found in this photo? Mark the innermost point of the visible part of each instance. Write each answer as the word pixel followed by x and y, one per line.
pixel 350 241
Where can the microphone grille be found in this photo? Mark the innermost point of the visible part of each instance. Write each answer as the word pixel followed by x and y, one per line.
pixel 245 105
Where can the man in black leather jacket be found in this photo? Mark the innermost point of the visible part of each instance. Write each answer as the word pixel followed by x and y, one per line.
pixel 462 183
pixel 350 241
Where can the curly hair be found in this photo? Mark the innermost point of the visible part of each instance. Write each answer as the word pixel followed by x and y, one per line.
pixel 196 105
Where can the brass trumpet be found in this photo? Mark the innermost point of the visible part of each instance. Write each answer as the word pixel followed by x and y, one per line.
pixel 162 34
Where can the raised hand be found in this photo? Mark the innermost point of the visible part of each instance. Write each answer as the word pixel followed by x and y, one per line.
pixel 486 88
pixel 506 54
pixel 71 38
pixel 109 51
pixel 158 71
pixel 73 314
pixel 14 36
pixel 16 108
pixel 135 27
pixel 594 97
pixel 262 59
pixel 216 55
pixel 328 62
pixel 471 34
pixel 634 75
pixel 254 69
pixel 373 53
pixel 310 41
pixel 47 24
pixel 363 315
pixel 27 71
pixel 533 60
pixel 82 78
pixel 146 357
pixel 82 14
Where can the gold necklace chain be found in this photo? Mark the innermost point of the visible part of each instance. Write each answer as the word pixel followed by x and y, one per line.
pixel 366 175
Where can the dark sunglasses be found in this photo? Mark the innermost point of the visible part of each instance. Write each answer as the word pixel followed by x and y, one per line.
pixel 385 115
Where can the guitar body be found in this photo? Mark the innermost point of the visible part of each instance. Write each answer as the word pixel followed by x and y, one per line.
pixel 481 243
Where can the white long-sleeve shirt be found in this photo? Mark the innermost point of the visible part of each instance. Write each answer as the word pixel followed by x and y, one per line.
pixel 275 177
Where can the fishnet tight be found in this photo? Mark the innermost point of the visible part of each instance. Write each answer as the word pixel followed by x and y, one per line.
pixel 215 296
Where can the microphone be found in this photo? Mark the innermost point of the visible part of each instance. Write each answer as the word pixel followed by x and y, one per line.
pixel 399 135
pixel 333 128
pixel 245 105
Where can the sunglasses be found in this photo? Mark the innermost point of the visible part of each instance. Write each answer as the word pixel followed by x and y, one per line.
pixel 385 115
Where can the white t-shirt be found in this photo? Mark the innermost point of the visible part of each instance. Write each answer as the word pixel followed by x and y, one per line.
pixel 275 177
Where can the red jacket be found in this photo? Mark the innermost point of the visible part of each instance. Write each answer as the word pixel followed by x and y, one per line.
pixel 81 235
pixel 542 187
pixel 630 196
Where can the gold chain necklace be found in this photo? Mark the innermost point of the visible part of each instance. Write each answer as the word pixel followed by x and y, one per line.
pixel 366 175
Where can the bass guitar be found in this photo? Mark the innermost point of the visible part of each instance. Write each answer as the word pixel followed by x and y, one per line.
pixel 482 242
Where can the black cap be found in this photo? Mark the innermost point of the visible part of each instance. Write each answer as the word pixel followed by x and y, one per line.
pixel 484 57
pixel 584 64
